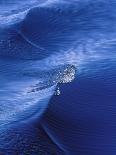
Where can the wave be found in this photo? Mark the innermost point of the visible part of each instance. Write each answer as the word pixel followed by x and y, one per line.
pixel 45 45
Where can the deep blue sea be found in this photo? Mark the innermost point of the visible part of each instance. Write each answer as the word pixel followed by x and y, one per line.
pixel 57 77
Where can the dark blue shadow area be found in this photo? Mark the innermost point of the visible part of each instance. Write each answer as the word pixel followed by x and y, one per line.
pixel 26 139
pixel 82 120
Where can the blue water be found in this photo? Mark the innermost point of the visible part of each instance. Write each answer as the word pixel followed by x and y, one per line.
pixel 57 77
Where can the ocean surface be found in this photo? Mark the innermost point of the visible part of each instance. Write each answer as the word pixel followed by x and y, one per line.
pixel 57 77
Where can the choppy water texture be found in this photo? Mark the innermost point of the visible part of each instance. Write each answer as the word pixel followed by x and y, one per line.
pixel 57 71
